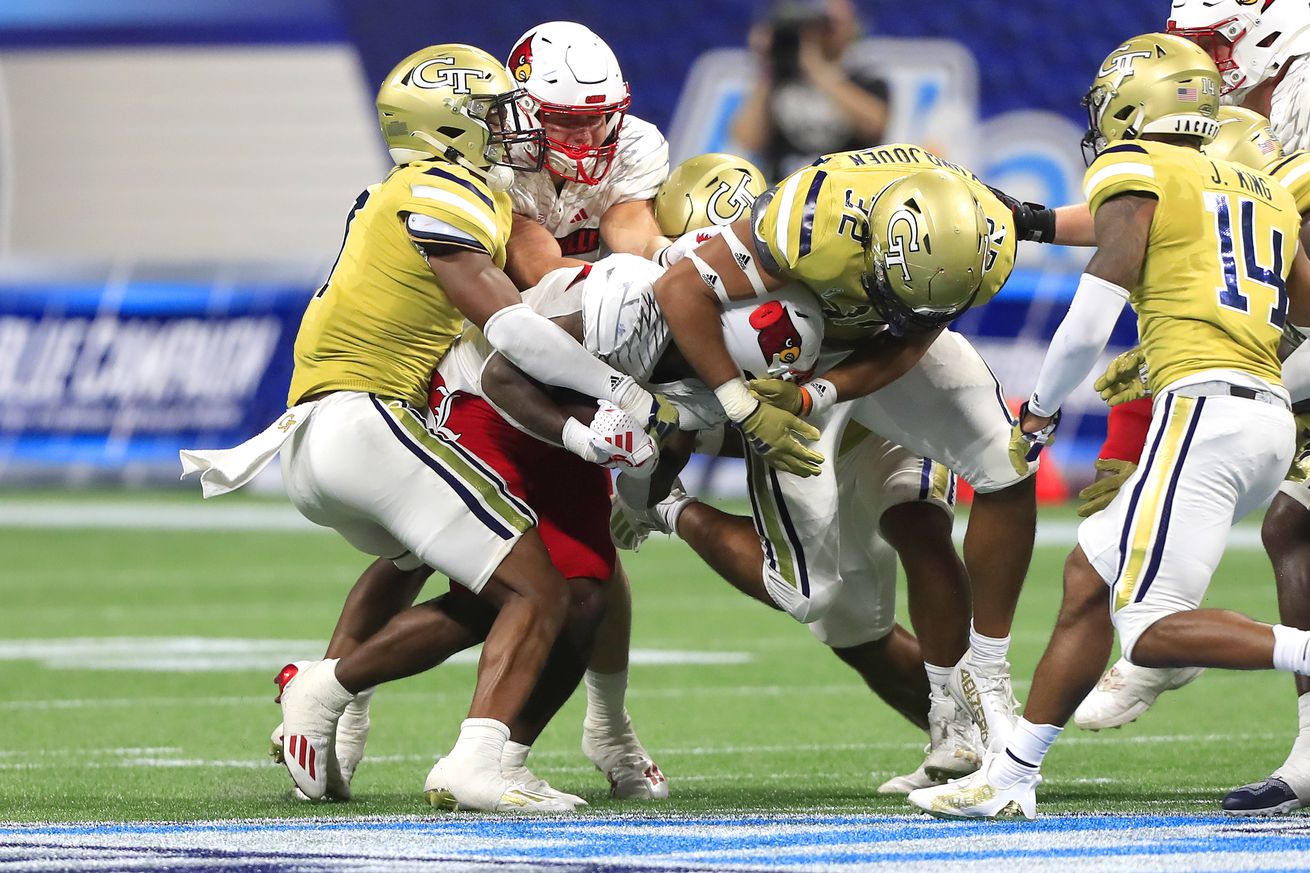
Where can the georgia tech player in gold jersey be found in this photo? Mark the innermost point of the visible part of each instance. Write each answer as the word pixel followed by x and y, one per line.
pixel 423 252
pixel 1201 248
pixel 939 242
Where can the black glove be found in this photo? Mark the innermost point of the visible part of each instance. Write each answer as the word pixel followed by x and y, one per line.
pixel 1033 222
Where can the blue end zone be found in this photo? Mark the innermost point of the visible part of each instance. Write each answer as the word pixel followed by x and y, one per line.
pixel 716 843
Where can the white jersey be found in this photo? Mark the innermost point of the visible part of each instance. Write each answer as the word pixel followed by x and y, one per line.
pixel 572 213
pixel 622 325
pixel 1289 111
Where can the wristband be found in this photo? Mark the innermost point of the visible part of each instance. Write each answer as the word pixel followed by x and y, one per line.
pixel 817 397
pixel 577 439
pixel 736 399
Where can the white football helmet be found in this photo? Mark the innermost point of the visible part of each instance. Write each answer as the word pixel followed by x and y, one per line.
pixel 1249 40
pixel 571 71
pixel 777 338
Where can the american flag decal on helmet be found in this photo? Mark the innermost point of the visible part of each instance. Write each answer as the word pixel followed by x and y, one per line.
pixel 1188 95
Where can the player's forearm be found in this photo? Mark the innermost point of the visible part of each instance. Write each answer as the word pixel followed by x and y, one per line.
pixel 692 314
pixel 1078 343
pixel 521 401
pixel 1073 226
pixel 545 352
pixel 879 362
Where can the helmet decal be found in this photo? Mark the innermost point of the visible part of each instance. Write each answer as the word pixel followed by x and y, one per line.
pixel 446 76
pixel 520 59
pixel 778 337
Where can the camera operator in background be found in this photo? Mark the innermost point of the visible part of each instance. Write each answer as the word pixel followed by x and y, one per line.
pixel 805 102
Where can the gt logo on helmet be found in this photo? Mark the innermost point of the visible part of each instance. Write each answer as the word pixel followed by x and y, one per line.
pixel 739 199
pixel 449 76
pixel 1121 64
pixel 896 241
pixel 778 338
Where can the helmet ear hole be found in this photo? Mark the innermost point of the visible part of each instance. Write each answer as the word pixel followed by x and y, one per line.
pixel 1270 39
pixel 1125 113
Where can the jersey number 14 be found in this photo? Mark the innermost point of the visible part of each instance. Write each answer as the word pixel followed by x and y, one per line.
pixel 1230 294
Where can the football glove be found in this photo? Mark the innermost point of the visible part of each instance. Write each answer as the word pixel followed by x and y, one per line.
pixel 775 435
pixel 1124 379
pixel 1025 447
pixel 1033 222
pixel 614 439
pixel 809 400
pixel 1098 495
pixel 1300 469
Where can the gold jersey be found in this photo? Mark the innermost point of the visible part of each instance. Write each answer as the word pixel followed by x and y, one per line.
pixel 1293 173
pixel 813 225
pixel 1212 293
pixel 382 321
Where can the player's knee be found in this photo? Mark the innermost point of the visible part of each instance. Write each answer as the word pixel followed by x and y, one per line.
pixel 1286 526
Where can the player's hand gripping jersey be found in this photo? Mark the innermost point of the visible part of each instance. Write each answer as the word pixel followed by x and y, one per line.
pixel 812 228
pixel 382 321
pixel 1212 294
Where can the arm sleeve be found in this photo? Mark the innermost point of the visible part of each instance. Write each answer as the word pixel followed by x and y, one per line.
pixel 544 351
pixel 1078 342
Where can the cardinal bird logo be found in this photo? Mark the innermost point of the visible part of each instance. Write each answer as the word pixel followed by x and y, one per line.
pixel 778 338
pixel 520 60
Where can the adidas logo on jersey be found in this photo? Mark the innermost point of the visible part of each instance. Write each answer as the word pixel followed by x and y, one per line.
pixel 743 260
pixel 581 216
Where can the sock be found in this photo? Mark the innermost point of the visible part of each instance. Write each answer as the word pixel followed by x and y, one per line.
pixel 669 510
pixel 1023 753
pixel 1296 769
pixel 358 708
pixel 514 755
pixel 1291 650
pixel 481 743
pixel 331 692
pixel 985 649
pixel 605 693
pixel 937 675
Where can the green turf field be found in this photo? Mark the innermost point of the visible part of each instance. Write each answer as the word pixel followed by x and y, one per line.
pixel 88 734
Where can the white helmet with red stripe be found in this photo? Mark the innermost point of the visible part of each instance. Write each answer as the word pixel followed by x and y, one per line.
pixel 575 78
pixel 1249 40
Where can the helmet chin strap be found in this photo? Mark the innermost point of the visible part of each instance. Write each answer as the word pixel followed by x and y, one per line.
pixel 498 178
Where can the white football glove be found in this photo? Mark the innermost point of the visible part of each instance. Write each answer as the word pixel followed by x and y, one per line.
pixel 615 439
pixel 671 254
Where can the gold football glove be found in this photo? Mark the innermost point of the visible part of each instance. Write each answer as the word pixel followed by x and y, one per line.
pixel 1124 379
pixel 1024 446
pixel 1098 495
pixel 780 393
pixel 1300 469
pixel 775 435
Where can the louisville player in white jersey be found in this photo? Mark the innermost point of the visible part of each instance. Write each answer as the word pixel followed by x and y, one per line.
pixel 423 252
pixel 1201 248
pixel 946 243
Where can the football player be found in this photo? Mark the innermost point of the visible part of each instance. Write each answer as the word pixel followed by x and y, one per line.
pixel 1205 268
pixel 423 251
pixel 603 169
pixel 942 242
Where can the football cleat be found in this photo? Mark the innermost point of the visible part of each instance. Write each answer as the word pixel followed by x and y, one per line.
pixel 309 727
pixel 1126 691
pixel 630 526
pixel 975 797
pixel 1272 796
pixel 954 743
pixel 631 772
pixel 986 694
pixel 907 783
pixel 452 786
pixel 523 776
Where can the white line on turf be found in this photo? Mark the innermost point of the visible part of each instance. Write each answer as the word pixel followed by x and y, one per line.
pixel 276 517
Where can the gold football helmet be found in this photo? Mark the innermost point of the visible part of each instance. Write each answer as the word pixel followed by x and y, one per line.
pixel 1154 83
pixel 457 103
pixel 1244 137
pixel 926 250
pixel 705 191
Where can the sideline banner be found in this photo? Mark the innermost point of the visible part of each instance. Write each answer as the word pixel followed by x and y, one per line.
pixel 98 377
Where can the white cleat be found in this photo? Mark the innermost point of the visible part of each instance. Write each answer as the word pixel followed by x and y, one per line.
pixel 631 772
pixel 907 783
pixel 452 786
pixel 309 729
pixel 1126 691
pixel 531 781
pixel 986 693
pixel 954 744
pixel 975 797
